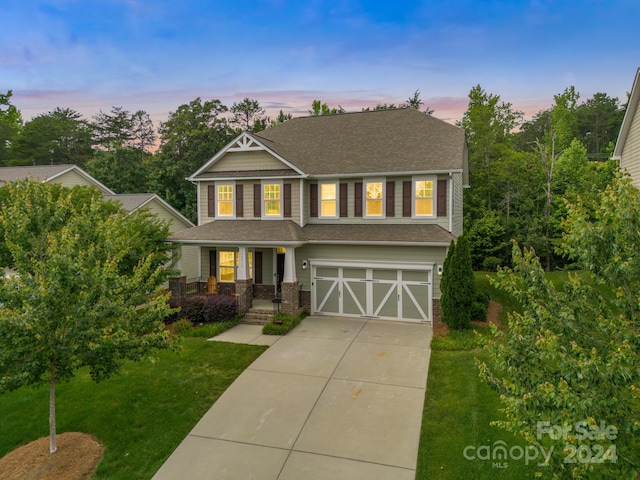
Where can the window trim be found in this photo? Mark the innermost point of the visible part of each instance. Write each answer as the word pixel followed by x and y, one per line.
pixel 236 262
pixel 263 201
pixel 233 200
pixel 336 200
pixel 434 196
pixel 383 199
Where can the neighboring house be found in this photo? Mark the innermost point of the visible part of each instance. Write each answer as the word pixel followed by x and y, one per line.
pixel 346 214
pixel 65 175
pixel 188 256
pixel 72 175
pixel 627 151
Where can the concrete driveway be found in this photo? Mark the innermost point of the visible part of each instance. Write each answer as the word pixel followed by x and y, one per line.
pixel 336 398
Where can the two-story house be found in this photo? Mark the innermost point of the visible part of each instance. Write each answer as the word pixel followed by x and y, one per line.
pixel 346 214
pixel 627 150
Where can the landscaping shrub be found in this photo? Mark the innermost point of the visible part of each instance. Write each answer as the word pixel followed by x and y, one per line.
pixel 281 324
pixel 181 326
pixel 457 286
pixel 209 308
pixel 491 264
pixel 478 312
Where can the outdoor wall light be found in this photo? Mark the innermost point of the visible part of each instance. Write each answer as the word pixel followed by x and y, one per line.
pixel 305 264
pixel 439 269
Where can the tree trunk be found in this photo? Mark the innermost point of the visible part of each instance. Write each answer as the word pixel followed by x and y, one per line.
pixel 52 411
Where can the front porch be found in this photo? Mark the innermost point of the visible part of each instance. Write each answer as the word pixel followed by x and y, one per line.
pixel 256 276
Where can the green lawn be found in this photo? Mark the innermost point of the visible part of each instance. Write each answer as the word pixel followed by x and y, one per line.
pixel 459 408
pixel 141 415
pixel 457 414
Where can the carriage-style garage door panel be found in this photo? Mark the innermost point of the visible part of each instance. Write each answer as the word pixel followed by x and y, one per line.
pixel 371 291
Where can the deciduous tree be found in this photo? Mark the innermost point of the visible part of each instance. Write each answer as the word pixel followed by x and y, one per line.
pixel 568 363
pixel 10 125
pixel 86 290
pixel 57 137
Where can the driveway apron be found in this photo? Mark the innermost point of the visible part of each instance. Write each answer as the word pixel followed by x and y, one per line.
pixel 336 398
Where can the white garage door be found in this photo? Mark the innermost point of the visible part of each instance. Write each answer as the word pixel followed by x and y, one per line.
pixel 400 293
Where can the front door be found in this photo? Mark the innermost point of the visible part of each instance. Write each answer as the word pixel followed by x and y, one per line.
pixel 280 269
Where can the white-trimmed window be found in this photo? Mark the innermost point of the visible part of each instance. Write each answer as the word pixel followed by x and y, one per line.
pixel 374 198
pixel 272 200
pixel 328 193
pixel 424 197
pixel 225 204
pixel 228 265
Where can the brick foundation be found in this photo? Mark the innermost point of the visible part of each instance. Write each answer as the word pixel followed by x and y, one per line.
pixel 437 311
pixel 290 299
pixel 263 292
pixel 305 300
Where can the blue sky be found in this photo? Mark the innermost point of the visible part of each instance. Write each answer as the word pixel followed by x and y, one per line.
pixel 155 55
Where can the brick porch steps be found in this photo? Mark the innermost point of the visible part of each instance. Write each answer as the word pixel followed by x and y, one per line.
pixel 257 316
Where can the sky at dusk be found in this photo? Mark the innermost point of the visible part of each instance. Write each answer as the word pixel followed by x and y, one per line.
pixel 156 55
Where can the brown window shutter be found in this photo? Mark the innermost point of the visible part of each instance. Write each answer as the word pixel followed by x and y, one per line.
pixel 287 200
pixel 213 263
pixel 313 200
pixel 257 267
pixel 442 198
pixel 357 199
pixel 391 199
pixel 257 200
pixel 344 192
pixel 239 201
pixel 406 199
pixel 211 200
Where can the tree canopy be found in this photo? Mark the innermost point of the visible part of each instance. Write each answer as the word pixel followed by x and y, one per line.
pixel 86 288
pixel 571 358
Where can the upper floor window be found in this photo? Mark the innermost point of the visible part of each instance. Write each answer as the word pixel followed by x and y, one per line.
pixel 424 197
pixel 272 199
pixel 224 199
pixel 329 200
pixel 374 199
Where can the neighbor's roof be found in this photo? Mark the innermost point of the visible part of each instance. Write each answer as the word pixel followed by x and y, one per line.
pixel 46 173
pixel 402 140
pixel 247 232
pixel 134 201
pixel 131 201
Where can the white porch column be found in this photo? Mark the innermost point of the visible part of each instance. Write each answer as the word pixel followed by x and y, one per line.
pixel 243 264
pixel 289 265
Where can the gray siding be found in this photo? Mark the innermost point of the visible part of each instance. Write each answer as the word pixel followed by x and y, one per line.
pixel 398 218
pixel 247 161
pixel 247 197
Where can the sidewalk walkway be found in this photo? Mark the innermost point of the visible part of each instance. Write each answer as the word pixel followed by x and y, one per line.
pixel 336 398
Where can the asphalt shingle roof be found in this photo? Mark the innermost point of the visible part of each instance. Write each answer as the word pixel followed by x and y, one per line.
pixel 39 172
pixel 385 141
pixel 287 232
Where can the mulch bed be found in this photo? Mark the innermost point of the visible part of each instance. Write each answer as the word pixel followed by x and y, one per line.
pixel 77 457
pixel 493 316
